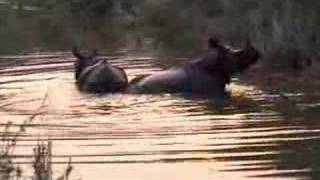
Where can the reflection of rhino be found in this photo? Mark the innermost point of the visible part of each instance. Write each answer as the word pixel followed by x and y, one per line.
pixel 206 74
pixel 98 76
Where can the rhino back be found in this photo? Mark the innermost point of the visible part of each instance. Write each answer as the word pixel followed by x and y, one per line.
pixel 171 80
pixel 102 77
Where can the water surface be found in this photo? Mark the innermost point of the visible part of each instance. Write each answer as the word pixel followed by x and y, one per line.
pixel 158 137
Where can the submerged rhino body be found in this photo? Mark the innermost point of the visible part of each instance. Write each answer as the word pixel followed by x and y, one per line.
pixel 207 74
pixel 185 79
pixel 97 75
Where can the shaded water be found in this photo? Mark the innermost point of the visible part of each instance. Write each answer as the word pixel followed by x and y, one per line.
pixel 125 136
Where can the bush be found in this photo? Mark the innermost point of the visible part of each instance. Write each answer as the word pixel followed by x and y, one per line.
pixel 285 31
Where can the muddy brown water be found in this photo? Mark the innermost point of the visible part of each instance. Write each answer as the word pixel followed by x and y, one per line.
pixel 155 137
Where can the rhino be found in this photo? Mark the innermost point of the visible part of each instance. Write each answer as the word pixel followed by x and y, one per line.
pixel 98 75
pixel 206 74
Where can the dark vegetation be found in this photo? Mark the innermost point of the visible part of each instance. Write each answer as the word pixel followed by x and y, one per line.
pixel 286 31
pixel 42 157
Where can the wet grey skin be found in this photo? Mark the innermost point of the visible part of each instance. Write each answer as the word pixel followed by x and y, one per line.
pixel 96 75
pixel 205 75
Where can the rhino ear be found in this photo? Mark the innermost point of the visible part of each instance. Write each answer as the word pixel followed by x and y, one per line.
pixel 95 52
pixel 248 44
pixel 76 52
pixel 213 42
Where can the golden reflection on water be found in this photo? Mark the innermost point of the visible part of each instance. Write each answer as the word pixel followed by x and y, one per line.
pixel 127 136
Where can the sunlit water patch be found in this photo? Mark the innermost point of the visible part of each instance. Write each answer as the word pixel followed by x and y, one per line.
pixel 130 136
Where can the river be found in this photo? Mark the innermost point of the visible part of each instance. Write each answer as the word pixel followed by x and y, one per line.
pixel 153 137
